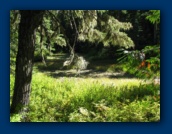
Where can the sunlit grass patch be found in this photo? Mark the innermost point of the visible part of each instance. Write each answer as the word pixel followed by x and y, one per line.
pixel 68 99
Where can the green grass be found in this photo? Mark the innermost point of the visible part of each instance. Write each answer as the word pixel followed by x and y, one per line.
pixel 75 99
pixel 58 96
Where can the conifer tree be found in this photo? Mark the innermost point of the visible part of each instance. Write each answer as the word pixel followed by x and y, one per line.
pixel 64 27
pixel 29 21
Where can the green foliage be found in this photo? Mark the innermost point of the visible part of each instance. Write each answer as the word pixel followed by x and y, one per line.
pixel 14 21
pixel 51 32
pixel 133 66
pixel 154 16
pixel 74 100
pixel 11 86
pixel 60 40
pixel 15 118
pixel 129 56
pixel 94 26
pixel 115 33
pixel 154 57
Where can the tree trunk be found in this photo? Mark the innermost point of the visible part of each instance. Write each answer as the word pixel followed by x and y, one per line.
pixel 155 33
pixel 30 20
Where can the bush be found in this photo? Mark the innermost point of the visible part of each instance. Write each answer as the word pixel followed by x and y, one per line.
pixel 149 67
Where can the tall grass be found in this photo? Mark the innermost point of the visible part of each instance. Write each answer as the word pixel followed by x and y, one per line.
pixel 74 99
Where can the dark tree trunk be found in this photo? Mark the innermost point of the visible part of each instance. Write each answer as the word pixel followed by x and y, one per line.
pixel 156 34
pixel 30 20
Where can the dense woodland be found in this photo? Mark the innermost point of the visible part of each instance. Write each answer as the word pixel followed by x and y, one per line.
pixel 84 65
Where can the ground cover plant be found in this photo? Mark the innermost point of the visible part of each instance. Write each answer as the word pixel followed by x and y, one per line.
pixel 90 98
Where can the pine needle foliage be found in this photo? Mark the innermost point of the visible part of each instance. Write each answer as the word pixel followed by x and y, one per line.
pixel 96 26
pixel 109 31
pixel 154 16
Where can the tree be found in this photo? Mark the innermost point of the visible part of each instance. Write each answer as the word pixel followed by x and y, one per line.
pixel 29 21
pixel 65 27
pixel 93 26
pixel 154 18
pixel 143 32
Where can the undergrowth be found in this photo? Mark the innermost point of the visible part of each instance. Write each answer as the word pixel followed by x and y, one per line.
pixel 90 100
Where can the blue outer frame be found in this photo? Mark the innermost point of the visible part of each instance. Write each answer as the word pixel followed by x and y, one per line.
pixel 87 128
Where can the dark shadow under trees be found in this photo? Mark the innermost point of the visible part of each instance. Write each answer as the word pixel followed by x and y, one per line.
pixel 96 69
